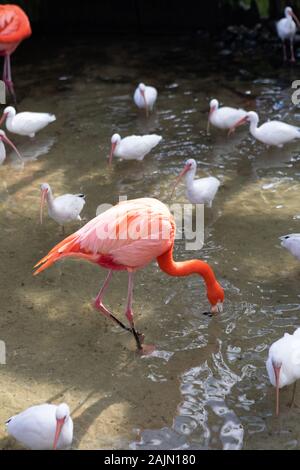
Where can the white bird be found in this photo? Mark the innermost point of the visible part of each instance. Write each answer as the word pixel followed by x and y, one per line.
pixel 5 139
pixel 145 97
pixel 292 243
pixel 201 191
pixel 25 123
pixel 225 117
pixel 134 147
pixel 283 364
pixel 286 30
pixel 43 427
pixel 62 209
pixel 275 133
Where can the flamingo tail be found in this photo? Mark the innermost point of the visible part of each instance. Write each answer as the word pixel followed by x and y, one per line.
pixel 68 247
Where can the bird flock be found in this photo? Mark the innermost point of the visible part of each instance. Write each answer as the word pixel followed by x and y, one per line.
pixel 105 240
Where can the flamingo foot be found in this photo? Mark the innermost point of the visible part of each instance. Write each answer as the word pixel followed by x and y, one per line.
pixel 147 349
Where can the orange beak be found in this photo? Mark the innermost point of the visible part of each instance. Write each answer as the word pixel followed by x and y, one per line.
pixel 146 104
pixel 237 124
pixel 179 177
pixel 5 139
pixel 3 118
pixel 208 120
pixel 112 151
pixel 296 19
pixel 43 198
pixel 277 374
pixel 59 426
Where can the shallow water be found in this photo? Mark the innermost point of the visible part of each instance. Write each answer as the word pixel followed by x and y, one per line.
pixel 206 385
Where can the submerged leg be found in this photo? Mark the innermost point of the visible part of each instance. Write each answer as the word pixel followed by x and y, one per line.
pixel 129 313
pixel 292 51
pixel 284 51
pixel 99 305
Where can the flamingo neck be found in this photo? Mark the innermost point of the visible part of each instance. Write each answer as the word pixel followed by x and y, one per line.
pixel 186 268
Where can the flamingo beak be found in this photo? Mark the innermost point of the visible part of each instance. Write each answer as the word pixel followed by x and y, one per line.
pixel 146 104
pixel 43 199
pixel 3 118
pixel 296 19
pixel 208 120
pixel 277 374
pixel 237 124
pixel 5 139
pixel 59 426
pixel 112 151
pixel 218 308
pixel 179 177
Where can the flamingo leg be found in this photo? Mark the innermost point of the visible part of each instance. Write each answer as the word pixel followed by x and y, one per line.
pixel 129 313
pixel 8 78
pixel 98 304
pixel 292 51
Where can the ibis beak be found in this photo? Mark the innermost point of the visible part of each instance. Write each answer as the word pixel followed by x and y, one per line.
pixel 3 118
pixel 294 17
pixel 277 374
pixel 179 177
pixel 43 198
pixel 5 139
pixel 59 426
pixel 146 104
pixel 237 124
pixel 112 151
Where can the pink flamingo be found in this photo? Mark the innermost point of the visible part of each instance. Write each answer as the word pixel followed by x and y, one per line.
pixel 14 27
pixel 127 237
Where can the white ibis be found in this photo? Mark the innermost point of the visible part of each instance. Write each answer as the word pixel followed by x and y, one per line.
pixel 292 243
pixel 145 97
pixel 43 427
pixel 286 30
pixel 62 209
pixel 200 191
pixel 134 147
pixel 5 139
pixel 225 117
pixel 25 123
pixel 283 364
pixel 275 133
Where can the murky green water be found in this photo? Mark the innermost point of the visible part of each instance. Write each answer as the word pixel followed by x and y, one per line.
pixel 206 386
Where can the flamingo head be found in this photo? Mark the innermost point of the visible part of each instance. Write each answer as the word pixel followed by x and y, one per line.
pixel 215 295
pixel 5 139
pixel 190 165
pixel 45 189
pixel 276 363
pixel 115 140
pixel 142 88
pixel 288 11
pixel 62 415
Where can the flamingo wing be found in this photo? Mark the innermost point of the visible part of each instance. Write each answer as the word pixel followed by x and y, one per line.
pixel 129 235
pixel 14 24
